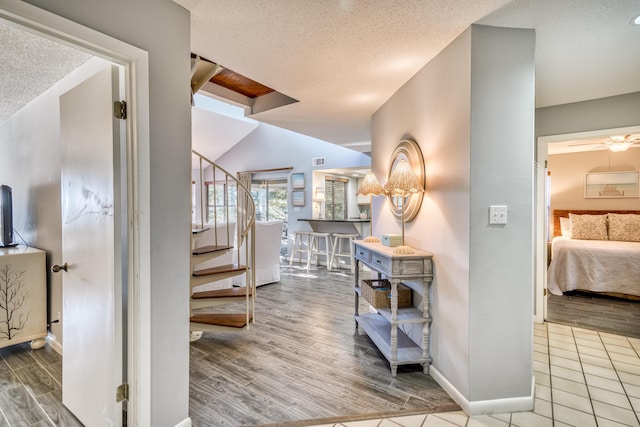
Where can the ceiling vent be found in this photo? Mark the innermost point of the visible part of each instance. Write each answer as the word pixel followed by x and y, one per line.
pixel 317 162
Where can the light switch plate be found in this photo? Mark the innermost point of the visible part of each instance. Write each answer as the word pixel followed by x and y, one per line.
pixel 497 214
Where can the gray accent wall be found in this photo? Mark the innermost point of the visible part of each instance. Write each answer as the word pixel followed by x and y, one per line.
pixel 144 24
pixel 501 256
pixel 471 110
pixel 604 113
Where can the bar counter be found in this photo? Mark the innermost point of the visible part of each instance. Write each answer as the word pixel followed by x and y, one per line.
pixel 361 226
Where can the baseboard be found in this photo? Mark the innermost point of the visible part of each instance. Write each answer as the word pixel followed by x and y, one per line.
pixel 54 343
pixel 184 423
pixel 484 407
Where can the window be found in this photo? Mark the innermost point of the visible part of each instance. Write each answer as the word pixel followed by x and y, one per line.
pixel 221 201
pixel 335 193
pixel 270 197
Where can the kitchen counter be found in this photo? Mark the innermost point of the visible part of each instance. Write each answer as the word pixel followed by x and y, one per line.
pixel 349 225
pixel 355 220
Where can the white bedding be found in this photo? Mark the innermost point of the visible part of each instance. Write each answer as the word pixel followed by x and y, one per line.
pixel 594 265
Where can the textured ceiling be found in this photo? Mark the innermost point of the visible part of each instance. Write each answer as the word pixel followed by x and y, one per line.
pixel 343 59
pixel 29 65
pixel 585 49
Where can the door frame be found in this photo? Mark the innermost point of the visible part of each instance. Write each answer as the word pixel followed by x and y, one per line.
pixel 542 221
pixel 136 70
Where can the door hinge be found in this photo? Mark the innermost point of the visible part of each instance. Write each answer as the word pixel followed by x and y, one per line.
pixel 120 110
pixel 544 292
pixel 122 392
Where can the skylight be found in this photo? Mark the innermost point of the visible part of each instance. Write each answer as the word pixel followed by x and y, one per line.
pixel 219 107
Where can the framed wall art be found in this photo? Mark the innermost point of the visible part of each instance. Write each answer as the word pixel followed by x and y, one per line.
pixel 297 198
pixel 611 185
pixel 297 181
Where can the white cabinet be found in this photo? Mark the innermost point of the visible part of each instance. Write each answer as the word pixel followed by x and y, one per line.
pixel 23 296
pixel 382 326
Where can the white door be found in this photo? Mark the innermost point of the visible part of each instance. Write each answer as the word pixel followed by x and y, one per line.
pixel 92 314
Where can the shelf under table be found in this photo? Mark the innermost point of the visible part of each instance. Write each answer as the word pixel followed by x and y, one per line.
pixel 379 331
pixel 405 315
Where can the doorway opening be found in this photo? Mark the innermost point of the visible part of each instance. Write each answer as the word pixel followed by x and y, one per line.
pixel 29 141
pixel 556 190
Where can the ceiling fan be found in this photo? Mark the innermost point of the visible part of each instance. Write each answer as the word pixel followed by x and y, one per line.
pixel 614 143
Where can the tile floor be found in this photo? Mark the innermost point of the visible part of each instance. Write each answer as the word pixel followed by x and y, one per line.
pixel 583 378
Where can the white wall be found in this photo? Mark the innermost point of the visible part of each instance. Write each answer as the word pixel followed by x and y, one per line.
pixel 144 24
pixel 435 111
pixel 568 172
pixel 270 147
pixel 469 109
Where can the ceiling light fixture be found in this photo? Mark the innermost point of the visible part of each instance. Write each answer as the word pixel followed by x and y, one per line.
pixel 636 20
pixel 618 143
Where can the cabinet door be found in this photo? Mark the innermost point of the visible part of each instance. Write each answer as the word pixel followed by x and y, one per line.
pixel 23 295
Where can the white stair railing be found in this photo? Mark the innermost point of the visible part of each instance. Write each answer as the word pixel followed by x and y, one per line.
pixel 224 200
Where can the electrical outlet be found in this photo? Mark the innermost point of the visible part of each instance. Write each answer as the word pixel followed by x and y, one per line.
pixel 498 214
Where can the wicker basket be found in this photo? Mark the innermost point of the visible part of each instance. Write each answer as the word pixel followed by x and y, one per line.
pixel 378 293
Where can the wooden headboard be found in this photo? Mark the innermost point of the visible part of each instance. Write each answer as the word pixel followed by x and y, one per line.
pixel 558 213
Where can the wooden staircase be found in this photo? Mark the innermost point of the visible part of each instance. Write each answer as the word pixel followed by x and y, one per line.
pixel 229 308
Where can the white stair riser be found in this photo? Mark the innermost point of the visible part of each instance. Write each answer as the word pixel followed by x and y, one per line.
pixel 198 259
pixel 213 302
pixel 202 280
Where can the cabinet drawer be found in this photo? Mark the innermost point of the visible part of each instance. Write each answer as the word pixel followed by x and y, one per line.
pixel 362 254
pixel 410 267
pixel 382 263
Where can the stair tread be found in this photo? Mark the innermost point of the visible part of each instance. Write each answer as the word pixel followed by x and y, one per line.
pixel 227 268
pixel 234 320
pixel 222 293
pixel 210 249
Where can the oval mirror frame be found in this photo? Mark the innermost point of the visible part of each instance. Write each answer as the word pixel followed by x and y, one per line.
pixel 407 149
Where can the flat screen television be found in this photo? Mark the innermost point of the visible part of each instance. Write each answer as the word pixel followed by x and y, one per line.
pixel 6 217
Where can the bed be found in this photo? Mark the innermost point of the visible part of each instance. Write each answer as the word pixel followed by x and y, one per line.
pixel 602 255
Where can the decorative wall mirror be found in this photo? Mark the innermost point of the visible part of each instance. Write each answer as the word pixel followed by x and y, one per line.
pixel 408 150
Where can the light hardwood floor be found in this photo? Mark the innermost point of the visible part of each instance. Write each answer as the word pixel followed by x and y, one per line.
pixel 303 360
pixel 598 313
pixel 31 388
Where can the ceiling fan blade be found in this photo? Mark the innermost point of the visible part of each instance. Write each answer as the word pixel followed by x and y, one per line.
pixel 586 143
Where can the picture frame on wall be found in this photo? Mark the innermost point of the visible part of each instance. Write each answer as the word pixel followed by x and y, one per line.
pixel 297 198
pixel 297 181
pixel 612 185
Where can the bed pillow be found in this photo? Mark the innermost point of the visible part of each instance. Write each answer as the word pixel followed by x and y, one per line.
pixel 625 227
pixel 565 227
pixel 588 227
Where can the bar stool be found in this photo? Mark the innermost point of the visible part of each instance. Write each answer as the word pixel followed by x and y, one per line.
pixel 315 250
pixel 338 251
pixel 300 238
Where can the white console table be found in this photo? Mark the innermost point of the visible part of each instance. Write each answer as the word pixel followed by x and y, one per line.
pixel 23 296
pixel 382 327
